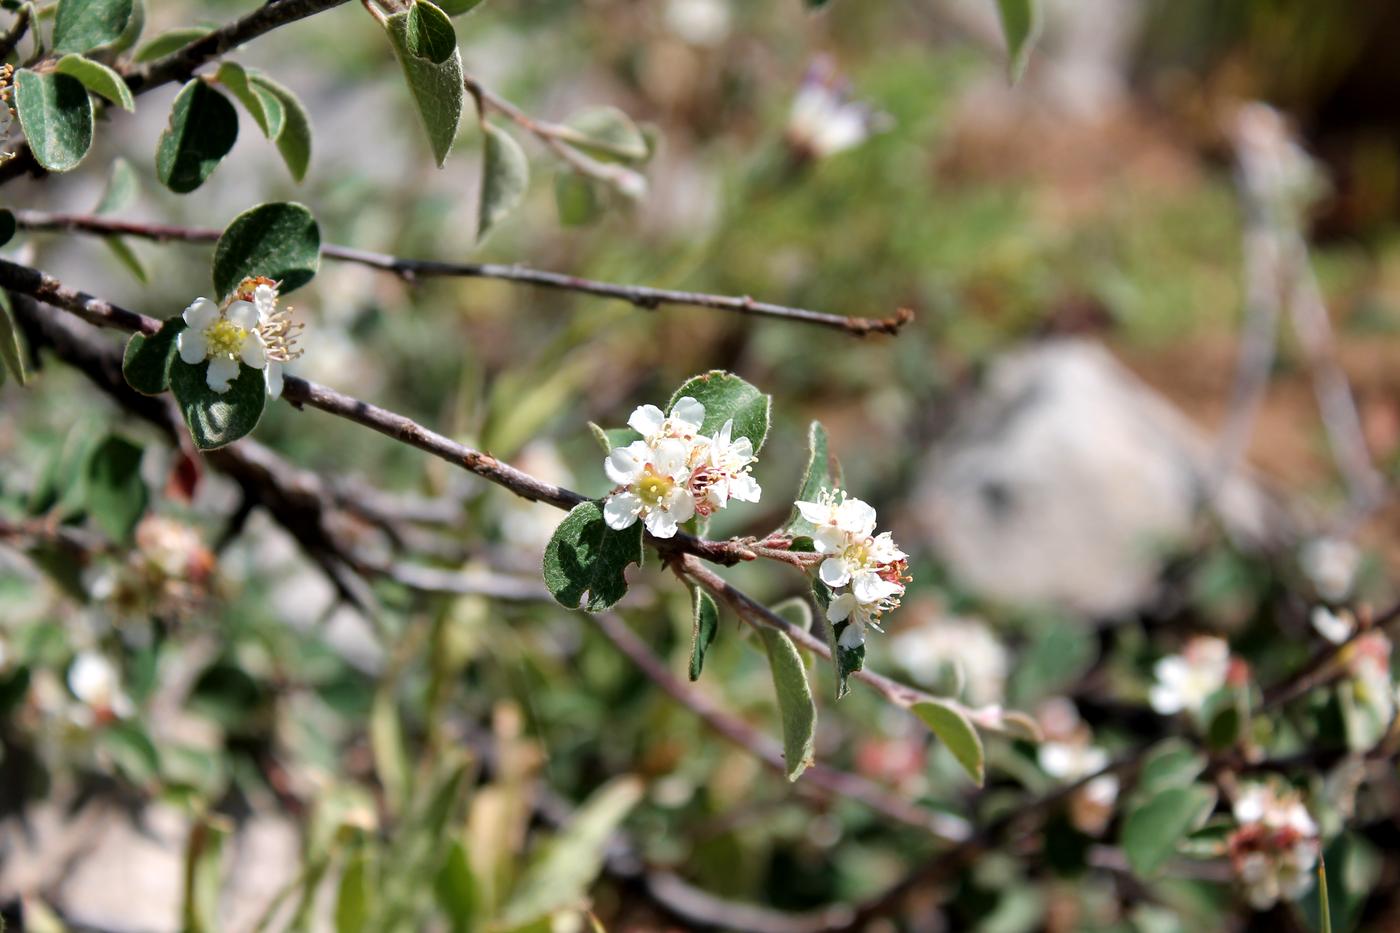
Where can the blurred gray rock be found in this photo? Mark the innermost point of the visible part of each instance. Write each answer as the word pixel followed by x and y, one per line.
pixel 1065 481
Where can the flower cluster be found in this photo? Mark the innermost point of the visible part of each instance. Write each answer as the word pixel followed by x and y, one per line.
pixel 170 572
pixel 1185 681
pixel 674 472
pixel 1367 662
pixel 247 329
pixel 1275 847
pixel 871 565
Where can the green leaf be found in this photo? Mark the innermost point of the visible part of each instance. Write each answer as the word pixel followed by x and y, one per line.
pixel 956 732
pixel 294 140
pixel 1171 763
pixel 216 419
pixel 386 741
pixel 725 397
pixel 262 105
pixel 436 87
pixel 458 7
pixel 428 34
pixel 846 660
pixel 505 174
pixel 279 240
pixel 170 41
pixel 132 751
pixel 147 361
pixel 8 227
pixel 126 255
pixel 608 134
pixel 55 113
pixel 585 556
pixel 203 128
pixel 11 346
pixel 704 627
pixel 354 902
pixel 799 710
pixel 560 877
pixel 616 437
pixel 822 474
pixel 116 494
pixel 98 78
pixel 121 189
pixel 203 876
pixel 576 198
pixel 797 611
pixel 1151 832
pixel 457 891
pixel 1020 24
pixel 83 25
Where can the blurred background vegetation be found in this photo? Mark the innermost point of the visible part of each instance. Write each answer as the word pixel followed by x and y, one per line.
pixel 432 742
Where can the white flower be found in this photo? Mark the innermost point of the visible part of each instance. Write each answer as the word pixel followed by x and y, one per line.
pixel 653 481
pixel 1275 847
pixel 1070 761
pixel 824 120
pixel 1331 565
pixel 873 567
pixel 1336 627
pixel 223 338
pixel 653 424
pixel 94 681
pixel 723 471
pixel 1186 680
pixel 699 22
pixel 967 644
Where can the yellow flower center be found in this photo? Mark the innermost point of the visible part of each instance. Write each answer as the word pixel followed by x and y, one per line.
pixel 225 338
pixel 653 489
pixel 858 553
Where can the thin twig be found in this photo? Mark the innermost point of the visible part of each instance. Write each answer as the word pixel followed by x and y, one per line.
pixel 411 270
pixel 15 33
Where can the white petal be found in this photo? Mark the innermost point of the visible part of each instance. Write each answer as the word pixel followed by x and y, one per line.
pixel 272 375
pixel 741 451
pixel 1165 700
pixel 622 466
pixel 744 488
pixel 856 517
pixel 243 313
pixel 834 573
pixel 193 346
pixel 688 413
pixel 254 351
pixel 869 587
pixel 681 505
pixel 265 297
pixel 721 442
pixel 646 420
pixel 853 637
pixel 828 540
pixel 620 511
pixel 201 313
pixel 840 608
pixel 222 371
pixel 672 458
pixel 661 523
pixel 814 512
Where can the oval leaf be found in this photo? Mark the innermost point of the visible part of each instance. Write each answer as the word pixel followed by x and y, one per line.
pixel 1152 831
pixel 799 710
pixel 279 240
pixel 294 138
pixel 704 627
pixel 576 199
pixel 116 494
pixel 609 134
pixel 436 87
pixel 171 41
pixel 55 113
pixel 83 25
pixel 217 419
pixel 955 731
pixel 586 557
pixel 146 363
pixel 203 128
pixel 1020 24
pixel 725 397
pixel 505 173
pixel 262 105
pixel 428 33
pixel 98 78
pixel 823 474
